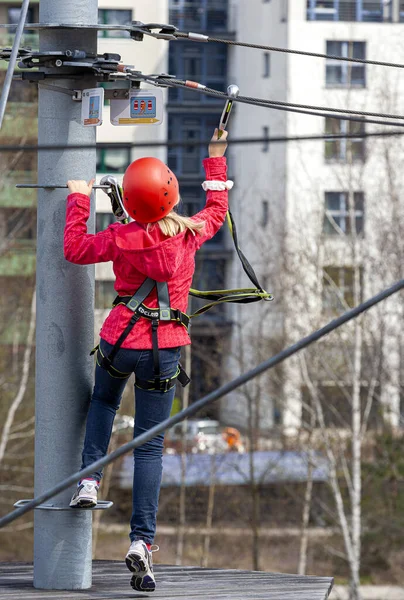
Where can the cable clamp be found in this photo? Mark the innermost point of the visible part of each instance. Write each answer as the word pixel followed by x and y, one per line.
pixel 217 186
pixel 197 37
pixel 139 29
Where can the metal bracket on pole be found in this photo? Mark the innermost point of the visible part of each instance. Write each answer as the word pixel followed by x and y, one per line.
pixel 101 505
pixel 75 95
pixel 53 187
pixel 137 29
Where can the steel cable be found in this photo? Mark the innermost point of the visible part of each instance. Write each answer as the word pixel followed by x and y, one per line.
pixel 182 35
pixel 193 143
pixel 283 106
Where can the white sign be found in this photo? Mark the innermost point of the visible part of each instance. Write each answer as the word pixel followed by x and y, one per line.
pixel 92 103
pixel 143 107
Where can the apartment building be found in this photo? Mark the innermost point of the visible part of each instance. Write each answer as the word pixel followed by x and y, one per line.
pixel 318 216
pixel 192 117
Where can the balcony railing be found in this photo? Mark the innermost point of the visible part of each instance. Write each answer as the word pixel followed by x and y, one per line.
pixel 208 15
pixel 371 11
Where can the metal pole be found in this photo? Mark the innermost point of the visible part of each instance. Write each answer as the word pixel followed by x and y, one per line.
pixel 13 59
pixel 65 325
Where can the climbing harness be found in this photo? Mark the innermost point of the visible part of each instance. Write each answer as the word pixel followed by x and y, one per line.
pixel 163 312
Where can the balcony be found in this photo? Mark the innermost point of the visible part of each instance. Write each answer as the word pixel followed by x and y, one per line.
pixel 10 197
pixel 207 15
pixel 368 11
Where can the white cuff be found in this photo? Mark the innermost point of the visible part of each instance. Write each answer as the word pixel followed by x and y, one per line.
pixel 218 186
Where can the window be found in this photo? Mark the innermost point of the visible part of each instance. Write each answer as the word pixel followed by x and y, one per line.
pixel 107 16
pixel 345 74
pixel 104 220
pixel 337 219
pixel 198 62
pixel 187 160
pixel 267 64
pixel 264 213
pixel 265 135
pixel 325 10
pixel 344 149
pixel 209 275
pixel 113 160
pixel 200 15
pixel 375 11
pixel 338 288
pixel 105 294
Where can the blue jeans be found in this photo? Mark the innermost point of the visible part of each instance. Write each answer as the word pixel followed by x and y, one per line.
pixel 151 408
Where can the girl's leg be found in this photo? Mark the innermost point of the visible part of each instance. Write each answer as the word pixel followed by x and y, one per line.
pixel 152 407
pixel 105 402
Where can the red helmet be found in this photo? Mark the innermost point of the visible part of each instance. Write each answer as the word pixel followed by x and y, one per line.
pixel 150 190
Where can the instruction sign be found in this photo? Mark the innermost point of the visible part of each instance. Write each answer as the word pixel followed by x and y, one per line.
pixel 91 107
pixel 142 107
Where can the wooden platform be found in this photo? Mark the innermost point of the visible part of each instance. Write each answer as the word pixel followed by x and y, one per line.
pixel 111 582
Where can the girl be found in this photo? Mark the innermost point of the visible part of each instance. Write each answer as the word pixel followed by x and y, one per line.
pixel 153 260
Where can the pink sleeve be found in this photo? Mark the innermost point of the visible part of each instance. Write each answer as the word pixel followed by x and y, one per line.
pixel 81 247
pixel 216 206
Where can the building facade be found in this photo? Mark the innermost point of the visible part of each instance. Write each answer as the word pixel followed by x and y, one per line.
pixel 323 219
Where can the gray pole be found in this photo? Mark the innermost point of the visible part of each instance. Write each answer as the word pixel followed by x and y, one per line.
pixel 65 323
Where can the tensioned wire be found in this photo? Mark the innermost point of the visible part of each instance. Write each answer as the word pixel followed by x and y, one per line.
pixel 204 38
pixel 285 106
pixel 182 35
pixel 192 143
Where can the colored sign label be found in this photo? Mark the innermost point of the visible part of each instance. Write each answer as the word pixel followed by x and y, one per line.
pixel 91 107
pixel 144 107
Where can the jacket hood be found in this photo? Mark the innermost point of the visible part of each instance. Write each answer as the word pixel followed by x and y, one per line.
pixel 151 252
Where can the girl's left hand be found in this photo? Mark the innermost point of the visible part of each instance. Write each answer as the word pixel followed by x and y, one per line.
pixel 80 186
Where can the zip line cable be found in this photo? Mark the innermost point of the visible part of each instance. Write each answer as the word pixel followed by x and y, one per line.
pixel 364 61
pixel 284 106
pixel 199 404
pixel 192 143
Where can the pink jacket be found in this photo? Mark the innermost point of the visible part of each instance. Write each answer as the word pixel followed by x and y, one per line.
pixel 137 254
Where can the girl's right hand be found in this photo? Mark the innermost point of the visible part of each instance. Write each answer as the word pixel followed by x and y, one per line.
pixel 218 149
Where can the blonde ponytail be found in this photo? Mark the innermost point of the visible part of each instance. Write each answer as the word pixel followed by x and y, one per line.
pixel 174 223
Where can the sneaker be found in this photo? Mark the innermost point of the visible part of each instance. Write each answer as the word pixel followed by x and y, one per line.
pixel 139 561
pixel 86 494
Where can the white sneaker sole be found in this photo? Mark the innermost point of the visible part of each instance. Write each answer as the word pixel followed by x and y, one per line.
pixel 143 579
pixel 83 502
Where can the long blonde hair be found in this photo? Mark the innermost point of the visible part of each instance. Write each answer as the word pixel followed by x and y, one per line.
pixel 174 223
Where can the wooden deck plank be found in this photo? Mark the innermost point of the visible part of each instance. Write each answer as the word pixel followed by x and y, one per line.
pixel 111 582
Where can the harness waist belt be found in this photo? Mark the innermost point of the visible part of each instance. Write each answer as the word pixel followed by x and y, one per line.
pixel 162 314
